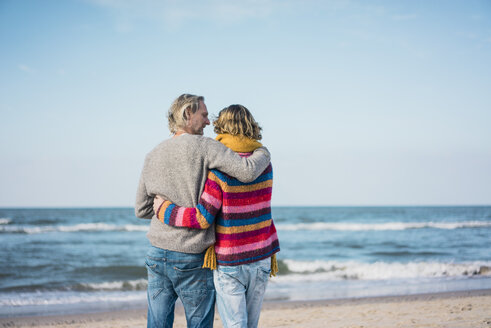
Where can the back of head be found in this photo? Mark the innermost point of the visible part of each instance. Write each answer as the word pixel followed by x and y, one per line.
pixel 177 111
pixel 237 121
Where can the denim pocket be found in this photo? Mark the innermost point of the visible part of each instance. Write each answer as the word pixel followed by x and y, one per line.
pixel 156 273
pixel 264 269
pixel 194 283
pixel 230 280
pixel 155 263
pixel 192 278
pixel 230 270
pixel 154 266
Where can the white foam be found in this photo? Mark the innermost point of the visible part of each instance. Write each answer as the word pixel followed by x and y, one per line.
pixel 73 228
pixel 6 227
pixel 5 220
pixel 351 270
pixel 382 226
pixel 86 293
pixel 140 284
pixel 63 298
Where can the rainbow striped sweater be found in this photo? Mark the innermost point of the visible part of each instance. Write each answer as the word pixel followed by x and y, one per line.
pixel 245 231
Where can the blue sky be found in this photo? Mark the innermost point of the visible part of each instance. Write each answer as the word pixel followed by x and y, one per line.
pixel 361 102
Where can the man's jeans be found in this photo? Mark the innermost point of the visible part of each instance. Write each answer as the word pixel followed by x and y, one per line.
pixel 240 292
pixel 174 274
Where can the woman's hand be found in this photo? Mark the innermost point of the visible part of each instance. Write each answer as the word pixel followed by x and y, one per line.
pixel 157 202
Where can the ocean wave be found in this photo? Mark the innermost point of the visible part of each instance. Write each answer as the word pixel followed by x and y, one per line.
pixel 107 286
pixel 67 297
pixel 5 220
pixel 383 226
pixel 351 270
pixel 6 227
pixel 131 285
pixel 72 228
pixel 296 273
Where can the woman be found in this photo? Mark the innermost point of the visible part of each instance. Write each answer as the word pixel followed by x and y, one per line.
pixel 246 239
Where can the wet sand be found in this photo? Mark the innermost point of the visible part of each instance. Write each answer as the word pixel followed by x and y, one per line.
pixel 470 309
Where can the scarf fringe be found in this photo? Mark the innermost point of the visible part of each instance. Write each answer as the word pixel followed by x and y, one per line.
pixel 274 266
pixel 210 261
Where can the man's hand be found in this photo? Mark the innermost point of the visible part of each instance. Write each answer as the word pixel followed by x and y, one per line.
pixel 157 202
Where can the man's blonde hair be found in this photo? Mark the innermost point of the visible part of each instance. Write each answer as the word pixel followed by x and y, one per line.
pixel 237 121
pixel 177 112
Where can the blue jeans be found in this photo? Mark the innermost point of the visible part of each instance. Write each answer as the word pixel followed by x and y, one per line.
pixel 240 292
pixel 172 275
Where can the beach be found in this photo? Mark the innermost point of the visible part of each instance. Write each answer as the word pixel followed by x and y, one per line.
pixel 77 261
pixel 463 309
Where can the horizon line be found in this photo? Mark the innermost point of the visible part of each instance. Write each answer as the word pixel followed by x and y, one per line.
pixel 273 206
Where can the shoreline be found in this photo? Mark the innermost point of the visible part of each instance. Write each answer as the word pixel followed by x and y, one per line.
pixel 447 309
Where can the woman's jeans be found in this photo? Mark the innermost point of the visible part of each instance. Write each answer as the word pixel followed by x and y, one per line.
pixel 172 275
pixel 240 292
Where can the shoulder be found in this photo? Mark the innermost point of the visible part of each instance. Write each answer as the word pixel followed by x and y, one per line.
pixel 162 145
pixel 205 141
pixel 160 149
pixel 210 148
pixel 197 140
pixel 186 143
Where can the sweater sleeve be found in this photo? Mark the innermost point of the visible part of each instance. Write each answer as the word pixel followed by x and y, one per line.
pixel 245 169
pixel 199 217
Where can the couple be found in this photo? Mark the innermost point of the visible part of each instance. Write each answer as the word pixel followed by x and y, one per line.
pixel 210 205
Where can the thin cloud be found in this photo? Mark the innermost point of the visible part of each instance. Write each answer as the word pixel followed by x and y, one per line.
pixel 172 13
pixel 467 35
pixel 25 68
pixel 416 52
pixel 404 17
pixel 176 13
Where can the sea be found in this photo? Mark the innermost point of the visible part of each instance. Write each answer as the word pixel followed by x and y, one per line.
pixel 78 260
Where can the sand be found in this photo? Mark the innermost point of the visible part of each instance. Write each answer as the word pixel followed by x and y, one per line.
pixel 450 310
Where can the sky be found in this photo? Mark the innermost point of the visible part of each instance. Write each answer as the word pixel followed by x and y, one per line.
pixel 362 103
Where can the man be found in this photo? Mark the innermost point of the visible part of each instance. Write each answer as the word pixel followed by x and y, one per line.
pixel 177 169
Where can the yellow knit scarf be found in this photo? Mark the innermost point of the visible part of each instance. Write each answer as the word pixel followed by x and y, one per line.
pixel 239 144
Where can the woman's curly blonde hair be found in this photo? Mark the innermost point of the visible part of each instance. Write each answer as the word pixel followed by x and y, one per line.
pixel 237 121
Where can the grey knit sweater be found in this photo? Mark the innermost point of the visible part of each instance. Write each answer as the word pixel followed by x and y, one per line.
pixel 177 169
